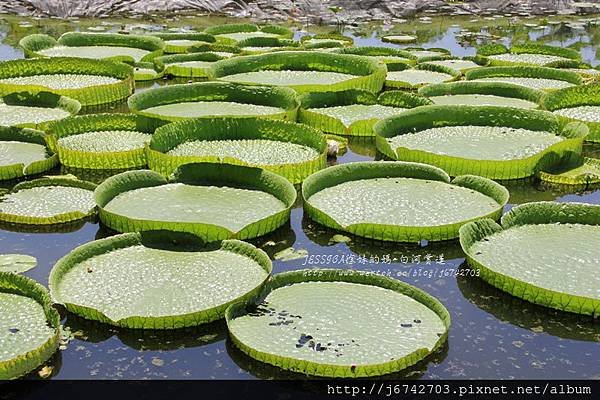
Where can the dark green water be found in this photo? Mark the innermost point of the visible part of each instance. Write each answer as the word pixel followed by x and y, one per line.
pixel 493 335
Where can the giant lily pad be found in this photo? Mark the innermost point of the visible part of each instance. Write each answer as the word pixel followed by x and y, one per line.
pixel 157 280
pixel 495 142
pixel 48 201
pixel 103 141
pixel 35 110
pixel 199 198
pixel 575 170
pixel 400 76
pixel 581 103
pixel 232 33
pixel 386 54
pixel 472 93
pixel 545 237
pixel 306 321
pixel 181 42
pixel 424 54
pixel 398 201
pixel 353 112
pixel 91 82
pixel 24 151
pixel 193 65
pixel 539 78
pixel 113 46
pixel 529 54
pixel 29 326
pixel 213 99
pixel 303 71
pixel 292 150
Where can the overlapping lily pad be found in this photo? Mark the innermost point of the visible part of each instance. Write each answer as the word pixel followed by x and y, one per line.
pixel 388 55
pixel 24 151
pixel 422 53
pixel 233 33
pixel 456 64
pixel 199 198
pixel 306 321
pixel 495 142
pixel 471 93
pixel 157 280
pixel 303 71
pixel 48 201
pixel 192 65
pixel 180 42
pixel 399 201
pixel 292 150
pixel 529 54
pixel 103 141
pixel 539 78
pixel 29 326
pixel 544 236
pixel 581 103
pixel 212 99
pixel 35 110
pixel 259 45
pixel 91 82
pixel 403 77
pixel 573 170
pixel 353 112
pixel 113 46
pixel 324 41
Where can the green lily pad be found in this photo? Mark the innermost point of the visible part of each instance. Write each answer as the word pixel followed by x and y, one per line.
pixel 95 52
pixel 289 78
pixel 533 83
pixel 483 100
pixel 290 254
pixel 17 263
pixel 589 113
pixel 13 115
pixel 525 58
pixel 352 113
pixel 60 81
pixel 29 326
pixel 48 201
pixel 545 237
pixel 196 109
pixel 416 77
pixel 399 201
pixel 306 321
pixel 157 280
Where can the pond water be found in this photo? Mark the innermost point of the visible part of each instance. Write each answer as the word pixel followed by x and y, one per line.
pixel 493 335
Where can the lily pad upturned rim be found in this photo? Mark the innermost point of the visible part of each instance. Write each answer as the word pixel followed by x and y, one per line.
pixel 326 123
pixel 59 219
pixel 454 74
pixel 487 88
pixel 273 96
pixel 369 74
pixel 41 99
pixel 32 44
pixel 101 122
pixel 379 51
pixel 544 212
pixel 337 275
pixel 171 135
pixel 87 96
pixel 170 64
pixel 528 48
pixel 28 135
pixel 170 48
pixel 583 95
pixel 338 174
pixel 556 175
pixel 194 174
pixel 22 364
pixel 525 72
pixel 155 239
pixel 450 115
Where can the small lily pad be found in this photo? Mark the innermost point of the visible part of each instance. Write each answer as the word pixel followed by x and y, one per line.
pixel 291 254
pixel 17 263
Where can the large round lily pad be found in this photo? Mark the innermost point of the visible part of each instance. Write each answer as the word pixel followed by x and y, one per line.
pixel 199 198
pixel 35 110
pixel 338 323
pixel 157 280
pixel 24 151
pixel 17 263
pixel 398 201
pixel 353 112
pixel 113 46
pixel 29 326
pixel 103 141
pixel 495 142
pixel 559 245
pixel 214 99
pixel 473 93
pixel 292 150
pixel 48 201
pixel 399 76
pixel 91 82
pixel 580 103
pixel 303 71
pixel 539 78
